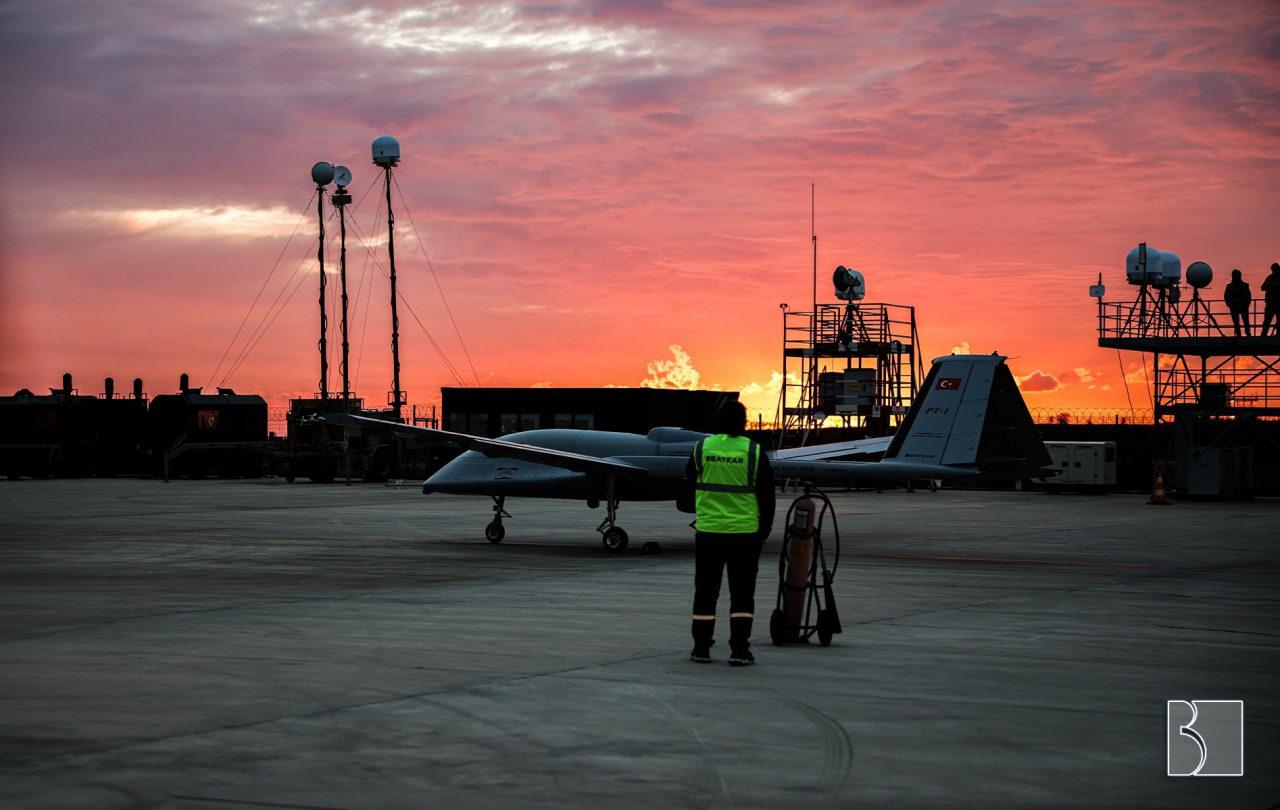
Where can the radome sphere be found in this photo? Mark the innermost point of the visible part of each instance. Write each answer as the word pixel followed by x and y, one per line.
pixel 322 173
pixel 1199 274
pixel 386 151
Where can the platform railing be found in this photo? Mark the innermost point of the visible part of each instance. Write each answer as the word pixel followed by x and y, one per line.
pixel 875 323
pixel 1152 316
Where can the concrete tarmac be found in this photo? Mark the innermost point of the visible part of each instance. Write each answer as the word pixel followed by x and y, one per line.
pixel 222 644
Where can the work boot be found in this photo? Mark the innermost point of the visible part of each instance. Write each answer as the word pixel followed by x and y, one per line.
pixel 741 658
pixel 701 655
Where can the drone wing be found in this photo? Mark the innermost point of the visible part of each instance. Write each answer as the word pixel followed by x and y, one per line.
pixel 493 448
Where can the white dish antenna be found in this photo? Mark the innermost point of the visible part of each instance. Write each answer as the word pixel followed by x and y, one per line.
pixel 341 176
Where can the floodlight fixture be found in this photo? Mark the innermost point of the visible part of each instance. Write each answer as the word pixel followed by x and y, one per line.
pixel 849 284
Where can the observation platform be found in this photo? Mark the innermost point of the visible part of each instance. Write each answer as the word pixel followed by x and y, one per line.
pixel 860 329
pixel 1207 346
pixel 1196 327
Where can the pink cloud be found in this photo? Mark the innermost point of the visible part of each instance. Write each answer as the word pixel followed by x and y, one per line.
pixel 596 182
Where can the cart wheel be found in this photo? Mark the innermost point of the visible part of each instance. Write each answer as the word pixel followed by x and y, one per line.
pixel 494 532
pixel 825 628
pixel 778 627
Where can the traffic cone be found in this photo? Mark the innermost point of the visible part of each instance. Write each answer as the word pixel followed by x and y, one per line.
pixel 1158 497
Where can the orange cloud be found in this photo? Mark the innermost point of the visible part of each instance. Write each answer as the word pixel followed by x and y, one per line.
pixel 1038 382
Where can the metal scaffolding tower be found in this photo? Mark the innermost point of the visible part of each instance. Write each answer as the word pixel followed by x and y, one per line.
pixel 1210 377
pixel 1200 366
pixel 852 365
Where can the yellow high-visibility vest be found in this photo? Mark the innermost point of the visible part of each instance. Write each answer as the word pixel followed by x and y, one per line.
pixel 726 489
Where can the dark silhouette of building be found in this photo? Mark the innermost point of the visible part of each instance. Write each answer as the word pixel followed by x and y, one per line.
pixel 498 411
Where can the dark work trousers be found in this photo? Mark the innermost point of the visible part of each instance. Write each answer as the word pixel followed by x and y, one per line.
pixel 713 552
pixel 1240 317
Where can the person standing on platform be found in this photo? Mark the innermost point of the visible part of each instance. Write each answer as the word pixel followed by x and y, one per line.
pixel 1271 300
pixel 1238 298
pixel 733 493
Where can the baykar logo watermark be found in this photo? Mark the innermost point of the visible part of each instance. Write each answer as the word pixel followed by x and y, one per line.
pixel 1205 737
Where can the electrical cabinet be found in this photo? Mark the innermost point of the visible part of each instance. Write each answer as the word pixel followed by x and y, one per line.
pixel 1219 472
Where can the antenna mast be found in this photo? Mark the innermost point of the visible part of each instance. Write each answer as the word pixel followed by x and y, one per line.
pixel 813 237
pixel 340 198
pixel 813 318
pixel 386 154
pixel 322 175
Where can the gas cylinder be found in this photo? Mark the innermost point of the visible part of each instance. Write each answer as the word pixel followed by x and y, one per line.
pixel 799 560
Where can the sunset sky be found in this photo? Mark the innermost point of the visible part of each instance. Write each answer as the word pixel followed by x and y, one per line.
pixel 615 192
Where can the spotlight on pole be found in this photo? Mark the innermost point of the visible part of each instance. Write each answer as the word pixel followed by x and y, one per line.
pixel 849 284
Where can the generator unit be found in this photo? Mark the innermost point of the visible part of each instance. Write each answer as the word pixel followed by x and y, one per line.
pixel 1082 465
pixel 69 434
pixel 851 391
pixel 197 434
pixel 321 452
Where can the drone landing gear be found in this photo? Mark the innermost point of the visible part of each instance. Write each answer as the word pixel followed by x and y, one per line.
pixel 611 534
pixel 494 531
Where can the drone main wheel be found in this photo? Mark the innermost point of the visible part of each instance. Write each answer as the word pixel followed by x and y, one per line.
pixel 494 532
pixel 615 539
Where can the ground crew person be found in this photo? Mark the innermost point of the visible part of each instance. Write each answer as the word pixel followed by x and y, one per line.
pixel 733 493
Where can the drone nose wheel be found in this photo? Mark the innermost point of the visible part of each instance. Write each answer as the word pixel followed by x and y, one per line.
pixel 615 539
